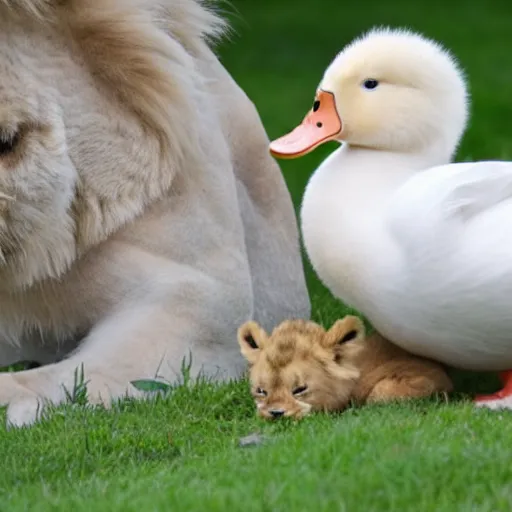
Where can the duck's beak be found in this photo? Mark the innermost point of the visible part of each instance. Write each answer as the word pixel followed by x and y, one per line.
pixel 321 124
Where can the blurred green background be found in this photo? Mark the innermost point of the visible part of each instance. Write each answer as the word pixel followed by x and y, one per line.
pixel 279 49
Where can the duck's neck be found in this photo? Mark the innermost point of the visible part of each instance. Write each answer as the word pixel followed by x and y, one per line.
pixel 373 175
pixel 343 214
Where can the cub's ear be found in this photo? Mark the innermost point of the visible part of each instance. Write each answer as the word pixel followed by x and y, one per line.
pixel 348 329
pixel 252 339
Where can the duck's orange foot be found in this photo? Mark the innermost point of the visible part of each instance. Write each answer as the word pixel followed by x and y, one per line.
pixel 501 399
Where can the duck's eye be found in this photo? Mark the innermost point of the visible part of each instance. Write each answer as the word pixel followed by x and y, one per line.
pixel 8 143
pixel 316 105
pixel 261 392
pixel 299 390
pixel 370 83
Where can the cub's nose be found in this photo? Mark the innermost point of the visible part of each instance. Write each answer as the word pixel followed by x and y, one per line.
pixel 276 413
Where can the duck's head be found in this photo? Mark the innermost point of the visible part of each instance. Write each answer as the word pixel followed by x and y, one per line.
pixel 392 90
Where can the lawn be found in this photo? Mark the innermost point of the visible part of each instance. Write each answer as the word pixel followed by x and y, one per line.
pixel 183 451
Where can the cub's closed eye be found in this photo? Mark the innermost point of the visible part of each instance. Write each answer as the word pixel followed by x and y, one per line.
pixel 300 390
pixel 261 392
pixel 8 143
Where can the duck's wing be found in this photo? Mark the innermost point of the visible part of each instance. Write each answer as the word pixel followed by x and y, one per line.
pixel 452 228
pixel 439 204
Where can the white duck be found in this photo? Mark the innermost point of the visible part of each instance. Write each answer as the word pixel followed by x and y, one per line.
pixel 421 246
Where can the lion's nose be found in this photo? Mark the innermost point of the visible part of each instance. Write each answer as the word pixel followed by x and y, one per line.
pixel 276 413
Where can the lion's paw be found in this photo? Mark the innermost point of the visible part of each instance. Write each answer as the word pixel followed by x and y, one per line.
pixel 24 412
pixel 27 395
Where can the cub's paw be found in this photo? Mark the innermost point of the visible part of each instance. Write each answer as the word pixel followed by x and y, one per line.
pixel 393 388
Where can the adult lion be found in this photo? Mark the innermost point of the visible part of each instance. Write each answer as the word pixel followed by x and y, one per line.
pixel 142 218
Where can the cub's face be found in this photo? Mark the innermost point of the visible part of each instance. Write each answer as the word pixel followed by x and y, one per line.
pixel 300 367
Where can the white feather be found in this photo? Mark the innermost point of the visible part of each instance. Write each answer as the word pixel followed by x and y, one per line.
pixel 421 246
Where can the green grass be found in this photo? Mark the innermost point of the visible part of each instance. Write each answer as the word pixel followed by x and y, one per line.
pixel 182 452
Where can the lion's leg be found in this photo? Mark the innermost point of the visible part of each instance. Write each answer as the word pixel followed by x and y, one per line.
pixel 151 338
pixel 270 224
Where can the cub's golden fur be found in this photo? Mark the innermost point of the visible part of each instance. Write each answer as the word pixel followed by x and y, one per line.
pixel 301 368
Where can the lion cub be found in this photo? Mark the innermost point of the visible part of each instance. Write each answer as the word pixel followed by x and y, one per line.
pixel 301 368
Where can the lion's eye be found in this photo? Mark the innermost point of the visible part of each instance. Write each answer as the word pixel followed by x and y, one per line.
pixel 261 392
pixel 299 390
pixel 8 143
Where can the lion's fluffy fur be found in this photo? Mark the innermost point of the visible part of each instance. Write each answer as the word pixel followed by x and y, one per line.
pixel 151 71
pixel 141 216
